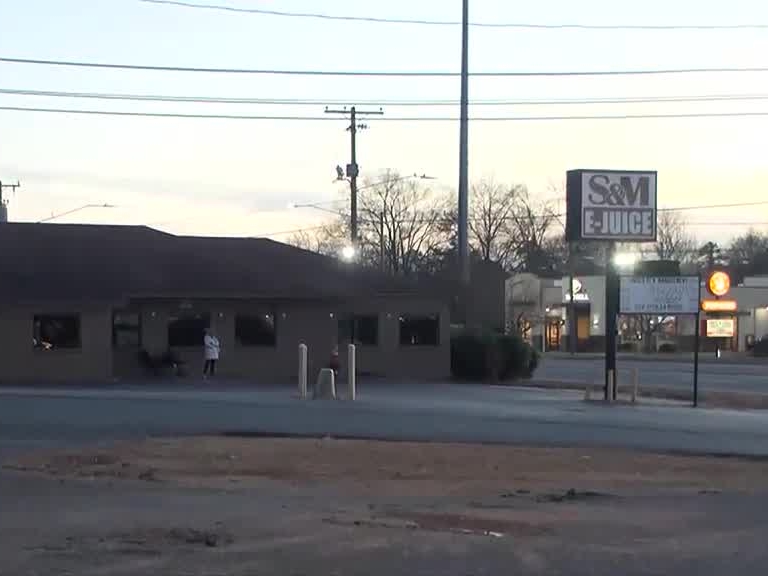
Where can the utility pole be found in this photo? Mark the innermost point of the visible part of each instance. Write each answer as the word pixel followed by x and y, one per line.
pixel 353 170
pixel 3 202
pixel 382 244
pixel 464 150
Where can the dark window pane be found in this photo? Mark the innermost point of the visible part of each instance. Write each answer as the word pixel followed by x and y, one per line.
pixel 362 330
pixel 52 332
pixel 419 330
pixel 126 330
pixel 187 331
pixel 255 330
pixel 367 330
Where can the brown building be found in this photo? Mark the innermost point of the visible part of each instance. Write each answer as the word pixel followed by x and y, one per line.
pixel 93 303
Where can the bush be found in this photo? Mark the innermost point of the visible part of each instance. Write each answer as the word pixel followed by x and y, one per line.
pixel 761 347
pixel 667 348
pixel 627 347
pixel 483 356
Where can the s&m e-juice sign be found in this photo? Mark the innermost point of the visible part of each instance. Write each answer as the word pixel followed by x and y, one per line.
pixel 611 205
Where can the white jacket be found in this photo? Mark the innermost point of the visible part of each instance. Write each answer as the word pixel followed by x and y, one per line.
pixel 212 347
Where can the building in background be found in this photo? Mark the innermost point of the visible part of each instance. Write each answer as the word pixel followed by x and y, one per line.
pixel 539 308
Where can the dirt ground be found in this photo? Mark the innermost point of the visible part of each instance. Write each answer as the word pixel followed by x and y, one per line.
pixel 323 506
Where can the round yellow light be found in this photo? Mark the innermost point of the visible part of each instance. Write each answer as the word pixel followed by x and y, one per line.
pixel 719 283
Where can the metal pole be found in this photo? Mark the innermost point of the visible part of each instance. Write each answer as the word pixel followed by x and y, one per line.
pixel 572 324
pixel 696 352
pixel 464 149
pixel 611 312
pixel 353 177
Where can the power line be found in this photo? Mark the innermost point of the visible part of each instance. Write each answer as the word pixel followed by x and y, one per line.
pixel 404 103
pixel 523 25
pixel 390 118
pixel 384 74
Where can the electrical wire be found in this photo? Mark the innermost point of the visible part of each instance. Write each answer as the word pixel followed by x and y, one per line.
pixel 385 74
pixel 394 103
pixel 523 25
pixel 660 116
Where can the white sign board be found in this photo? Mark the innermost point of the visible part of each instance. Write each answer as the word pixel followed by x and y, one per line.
pixel 659 295
pixel 612 205
pixel 721 327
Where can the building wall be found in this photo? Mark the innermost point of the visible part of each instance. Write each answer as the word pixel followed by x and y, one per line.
pixel 21 362
pixel 315 325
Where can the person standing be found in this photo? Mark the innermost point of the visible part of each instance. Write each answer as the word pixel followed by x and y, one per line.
pixel 212 347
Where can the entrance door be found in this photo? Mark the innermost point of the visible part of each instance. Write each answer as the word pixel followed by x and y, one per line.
pixel 553 334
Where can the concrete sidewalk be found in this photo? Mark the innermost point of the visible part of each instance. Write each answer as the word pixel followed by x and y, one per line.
pixel 704 357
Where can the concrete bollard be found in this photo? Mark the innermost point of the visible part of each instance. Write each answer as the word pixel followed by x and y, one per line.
pixel 302 371
pixel 325 387
pixel 351 373
pixel 635 383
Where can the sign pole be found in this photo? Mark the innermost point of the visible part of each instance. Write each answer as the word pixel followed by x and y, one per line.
pixel 611 312
pixel 696 353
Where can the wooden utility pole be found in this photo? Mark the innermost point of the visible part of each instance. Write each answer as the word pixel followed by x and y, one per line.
pixel 4 202
pixel 353 170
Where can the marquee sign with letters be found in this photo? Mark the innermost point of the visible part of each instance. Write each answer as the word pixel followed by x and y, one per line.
pixel 611 205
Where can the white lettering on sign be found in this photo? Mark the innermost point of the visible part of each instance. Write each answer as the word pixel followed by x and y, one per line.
pixel 721 327
pixel 618 205
pixel 659 295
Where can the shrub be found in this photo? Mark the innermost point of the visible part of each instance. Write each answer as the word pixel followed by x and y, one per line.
pixel 627 347
pixel 761 347
pixel 481 356
pixel 667 348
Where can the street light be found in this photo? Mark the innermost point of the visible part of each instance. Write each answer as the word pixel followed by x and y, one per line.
pixel 348 253
pixel 625 260
pixel 68 212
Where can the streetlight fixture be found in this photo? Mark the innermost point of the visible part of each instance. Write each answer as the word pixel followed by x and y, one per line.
pixel 348 253
pixel 625 260
pixel 68 212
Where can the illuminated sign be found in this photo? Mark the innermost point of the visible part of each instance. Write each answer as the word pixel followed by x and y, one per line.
pixel 719 283
pixel 579 291
pixel 721 327
pixel 659 295
pixel 719 305
pixel 611 205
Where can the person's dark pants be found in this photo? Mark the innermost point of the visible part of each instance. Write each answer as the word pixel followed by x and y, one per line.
pixel 209 368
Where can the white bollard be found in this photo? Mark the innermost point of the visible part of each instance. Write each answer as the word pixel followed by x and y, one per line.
pixel 325 387
pixel 635 383
pixel 302 371
pixel 351 372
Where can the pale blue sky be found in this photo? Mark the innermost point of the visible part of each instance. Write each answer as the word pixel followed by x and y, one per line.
pixel 230 177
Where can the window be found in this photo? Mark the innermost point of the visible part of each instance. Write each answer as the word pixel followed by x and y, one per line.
pixel 126 330
pixel 54 332
pixel 365 330
pixel 187 331
pixel 255 330
pixel 419 330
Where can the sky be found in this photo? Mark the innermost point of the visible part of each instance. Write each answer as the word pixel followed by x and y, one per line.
pixel 239 177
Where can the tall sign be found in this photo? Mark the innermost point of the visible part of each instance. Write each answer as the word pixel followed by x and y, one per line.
pixel 611 205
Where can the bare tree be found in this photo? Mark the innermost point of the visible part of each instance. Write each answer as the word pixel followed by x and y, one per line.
pixel 327 239
pixel 673 241
pixel 490 220
pixel 748 254
pixel 532 227
pixel 403 222
pixel 401 229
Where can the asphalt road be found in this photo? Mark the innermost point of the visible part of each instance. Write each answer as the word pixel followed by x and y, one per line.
pixel 35 418
pixel 713 376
